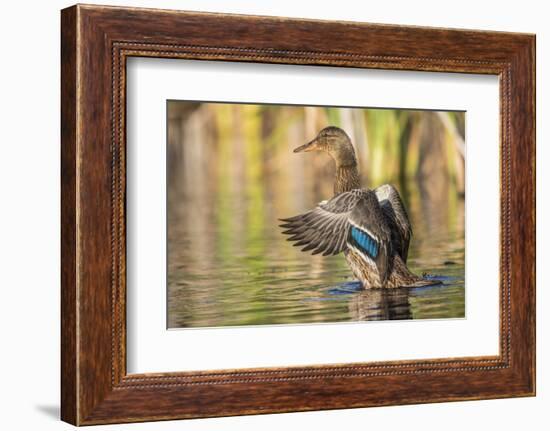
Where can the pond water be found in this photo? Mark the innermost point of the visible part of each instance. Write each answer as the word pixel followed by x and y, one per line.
pixel 229 264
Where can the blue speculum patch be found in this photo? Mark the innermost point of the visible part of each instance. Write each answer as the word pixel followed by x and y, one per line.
pixel 365 242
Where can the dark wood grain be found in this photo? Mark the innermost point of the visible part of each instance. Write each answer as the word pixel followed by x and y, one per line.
pixel 96 41
pixel 69 367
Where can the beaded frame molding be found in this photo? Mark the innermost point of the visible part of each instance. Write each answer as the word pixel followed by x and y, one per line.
pixel 95 43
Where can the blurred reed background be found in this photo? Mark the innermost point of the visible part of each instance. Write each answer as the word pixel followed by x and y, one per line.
pixel 232 174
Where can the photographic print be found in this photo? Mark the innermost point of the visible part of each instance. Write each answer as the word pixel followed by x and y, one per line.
pixel 287 214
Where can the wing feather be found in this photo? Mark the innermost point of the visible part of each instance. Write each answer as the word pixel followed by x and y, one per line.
pixel 396 218
pixel 369 218
pixel 323 229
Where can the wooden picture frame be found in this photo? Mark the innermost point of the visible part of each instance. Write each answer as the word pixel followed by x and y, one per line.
pixel 95 43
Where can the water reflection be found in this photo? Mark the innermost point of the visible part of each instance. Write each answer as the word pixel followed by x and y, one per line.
pixel 380 304
pixel 219 274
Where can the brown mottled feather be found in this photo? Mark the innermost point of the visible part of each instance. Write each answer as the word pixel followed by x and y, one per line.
pixel 396 218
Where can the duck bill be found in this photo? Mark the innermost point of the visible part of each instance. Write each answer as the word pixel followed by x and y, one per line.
pixel 310 146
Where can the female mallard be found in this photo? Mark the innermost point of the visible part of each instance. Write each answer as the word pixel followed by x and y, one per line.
pixel 370 227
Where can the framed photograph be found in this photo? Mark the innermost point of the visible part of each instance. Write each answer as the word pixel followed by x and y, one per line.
pixel 264 215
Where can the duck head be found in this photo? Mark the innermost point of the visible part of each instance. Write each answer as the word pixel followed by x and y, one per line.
pixel 335 142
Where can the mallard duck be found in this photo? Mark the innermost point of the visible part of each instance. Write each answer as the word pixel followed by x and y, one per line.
pixel 371 227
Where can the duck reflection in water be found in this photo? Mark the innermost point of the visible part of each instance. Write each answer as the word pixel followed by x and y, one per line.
pixel 380 304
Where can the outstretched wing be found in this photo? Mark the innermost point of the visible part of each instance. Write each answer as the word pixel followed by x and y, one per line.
pixel 353 219
pixel 323 229
pixel 396 218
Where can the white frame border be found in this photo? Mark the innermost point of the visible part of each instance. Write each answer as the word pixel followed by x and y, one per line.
pixel 153 348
